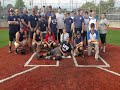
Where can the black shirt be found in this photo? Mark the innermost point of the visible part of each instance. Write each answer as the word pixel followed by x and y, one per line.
pixel 66 47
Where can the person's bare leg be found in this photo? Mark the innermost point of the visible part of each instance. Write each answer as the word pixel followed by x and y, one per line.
pixel 10 46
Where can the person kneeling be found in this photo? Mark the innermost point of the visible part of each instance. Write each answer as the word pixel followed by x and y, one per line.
pixel 78 44
pixel 92 37
pixel 56 54
pixel 37 41
pixel 50 40
pixel 20 42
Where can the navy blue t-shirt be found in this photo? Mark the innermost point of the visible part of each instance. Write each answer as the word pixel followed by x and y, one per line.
pixel 33 20
pixel 78 40
pixel 42 24
pixel 25 17
pixel 13 27
pixel 78 20
pixel 19 22
pixel 53 24
pixel 68 22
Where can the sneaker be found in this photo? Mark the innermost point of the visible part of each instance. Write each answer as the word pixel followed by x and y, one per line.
pixel 48 57
pixel 82 56
pixel 37 56
pixel 96 59
pixel 10 51
pixel 103 50
pixel 16 51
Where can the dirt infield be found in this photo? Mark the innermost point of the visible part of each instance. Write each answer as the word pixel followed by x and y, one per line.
pixel 25 72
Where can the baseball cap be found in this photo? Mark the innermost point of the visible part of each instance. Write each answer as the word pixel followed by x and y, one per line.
pixel 78 33
pixel 92 25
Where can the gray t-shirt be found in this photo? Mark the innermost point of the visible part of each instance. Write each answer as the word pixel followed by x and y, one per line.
pixel 86 23
pixel 60 20
pixel 102 25
pixel 78 20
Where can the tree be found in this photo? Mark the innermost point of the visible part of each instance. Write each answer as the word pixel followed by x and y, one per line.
pixel 19 4
pixel 106 5
pixel 88 6
pixel 9 6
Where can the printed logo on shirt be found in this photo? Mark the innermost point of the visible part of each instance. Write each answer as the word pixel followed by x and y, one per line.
pixel 14 19
pixel 80 18
pixel 65 48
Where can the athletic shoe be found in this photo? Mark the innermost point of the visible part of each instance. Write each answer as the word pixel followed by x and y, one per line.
pixel 96 59
pixel 103 50
pixel 48 57
pixel 16 51
pixel 82 56
pixel 37 56
pixel 10 51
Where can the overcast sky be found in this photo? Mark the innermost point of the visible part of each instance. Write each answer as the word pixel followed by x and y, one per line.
pixel 54 3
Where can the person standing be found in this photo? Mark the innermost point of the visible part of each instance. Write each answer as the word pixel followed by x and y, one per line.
pixel 13 28
pixel 49 13
pixel 44 13
pixel 24 21
pixel 78 22
pixel 60 22
pixel 52 24
pixel 33 23
pixel 94 20
pixel 86 27
pixel 43 26
pixel 68 23
pixel 103 26
pixel 18 16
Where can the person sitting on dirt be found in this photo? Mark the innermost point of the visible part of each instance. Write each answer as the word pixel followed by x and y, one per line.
pixel 20 42
pixel 92 37
pixel 78 44
pixel 64 35
pixel 37 41
pixel 56 54
pixel 50 40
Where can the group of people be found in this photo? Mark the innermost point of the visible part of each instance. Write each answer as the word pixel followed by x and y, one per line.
pixel 58 33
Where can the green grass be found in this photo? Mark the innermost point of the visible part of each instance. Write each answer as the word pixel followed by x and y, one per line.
pixel 4 38
pixel 113 37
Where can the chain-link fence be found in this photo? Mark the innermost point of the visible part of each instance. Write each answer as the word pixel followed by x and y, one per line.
pixel 113 12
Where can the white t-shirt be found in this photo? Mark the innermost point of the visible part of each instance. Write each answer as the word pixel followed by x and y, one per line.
pixel 60 19
pixel 93 20
pixel 64 37
pixel 93 36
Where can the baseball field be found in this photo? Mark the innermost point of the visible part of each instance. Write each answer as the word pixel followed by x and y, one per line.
pixel 25 72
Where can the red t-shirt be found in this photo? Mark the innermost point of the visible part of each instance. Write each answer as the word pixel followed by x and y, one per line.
pixel 49 37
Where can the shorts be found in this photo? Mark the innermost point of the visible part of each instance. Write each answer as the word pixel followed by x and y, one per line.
pixel 78 29
pixel 43 34
pixel 12 35
pixel 41 43
pixel 56 52
pixel 23 43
